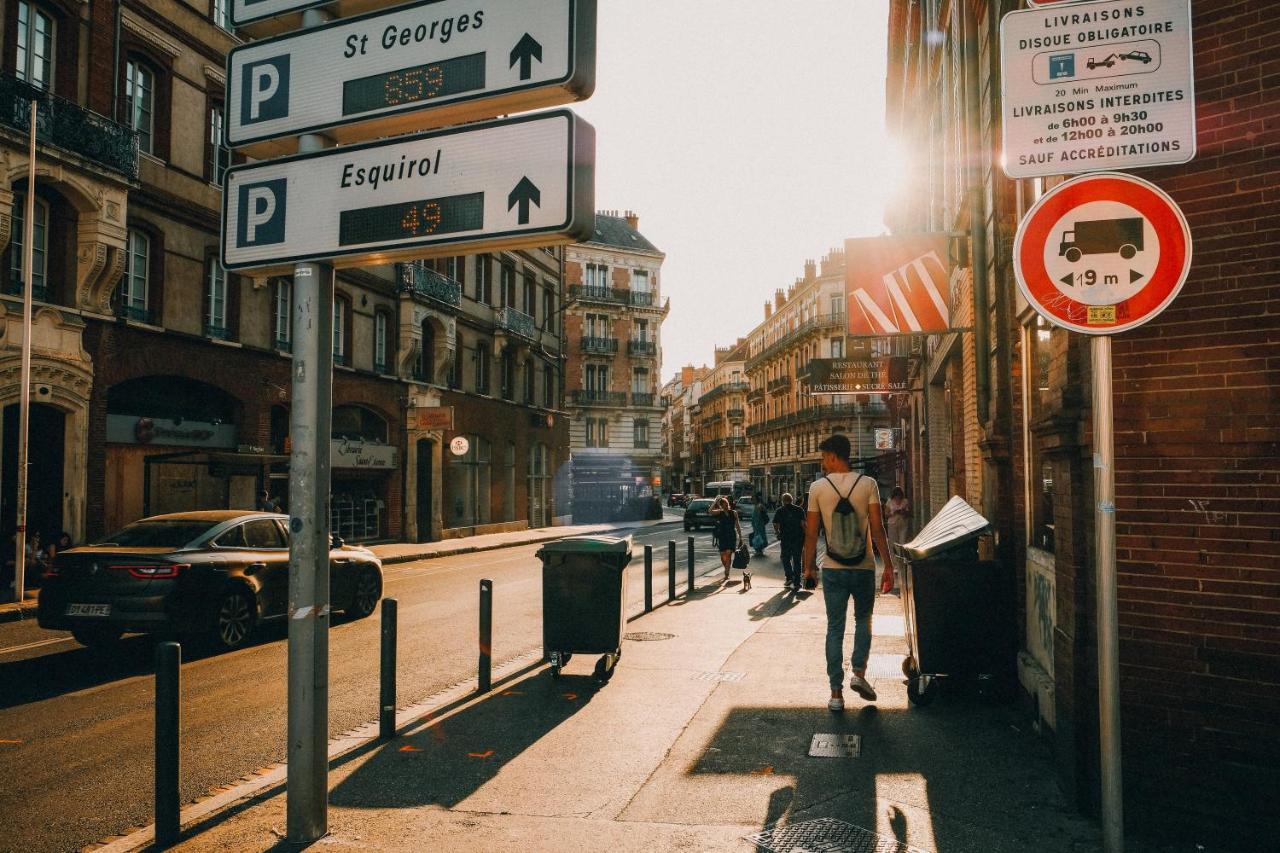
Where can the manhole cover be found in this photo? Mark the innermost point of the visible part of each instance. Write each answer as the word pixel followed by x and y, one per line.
pixel 719 676
pixel 828 835
pixel 647 636
pixel 826 745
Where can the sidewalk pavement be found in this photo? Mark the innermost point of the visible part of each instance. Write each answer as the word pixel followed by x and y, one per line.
pixel 406 552
pixel 700 740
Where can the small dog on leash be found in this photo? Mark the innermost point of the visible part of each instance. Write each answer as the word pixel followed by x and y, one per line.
pixel 746 580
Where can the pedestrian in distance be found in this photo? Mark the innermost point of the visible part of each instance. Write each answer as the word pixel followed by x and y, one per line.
pixel 898 512
pixel 727 534
pixel 759 528
pixel 788 526
pixel 266 503
pixel 845 507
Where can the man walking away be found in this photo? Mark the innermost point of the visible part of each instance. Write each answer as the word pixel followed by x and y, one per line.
pixel 846 507
pixel 788 526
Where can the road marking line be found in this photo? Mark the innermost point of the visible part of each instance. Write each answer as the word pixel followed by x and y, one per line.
pixel 36 645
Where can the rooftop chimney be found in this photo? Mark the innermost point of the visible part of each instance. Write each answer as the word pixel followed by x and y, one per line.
pixel 779 298
pixel 686 375
pixel 768 310
pixel 810 270
pixel 633 219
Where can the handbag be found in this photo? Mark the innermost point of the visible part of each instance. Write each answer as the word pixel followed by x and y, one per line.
pixel 741 556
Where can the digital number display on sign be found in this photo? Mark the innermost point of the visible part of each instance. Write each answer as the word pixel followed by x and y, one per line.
pixel 411 219
pixel 413 84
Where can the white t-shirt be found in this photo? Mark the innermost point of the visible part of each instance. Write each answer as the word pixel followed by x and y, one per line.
pixel 823 499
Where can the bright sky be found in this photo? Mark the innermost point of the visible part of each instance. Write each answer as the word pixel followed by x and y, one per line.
pixel 748 135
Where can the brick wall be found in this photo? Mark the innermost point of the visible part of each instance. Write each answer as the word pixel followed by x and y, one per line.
pixel 1198 464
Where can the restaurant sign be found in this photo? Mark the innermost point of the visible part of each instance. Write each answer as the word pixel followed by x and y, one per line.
pixel 882 375
pixel 347 453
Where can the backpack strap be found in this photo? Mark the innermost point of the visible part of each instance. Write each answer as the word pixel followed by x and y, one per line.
pixel 837 490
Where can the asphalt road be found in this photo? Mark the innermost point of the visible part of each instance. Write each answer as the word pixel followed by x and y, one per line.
pixel 76 726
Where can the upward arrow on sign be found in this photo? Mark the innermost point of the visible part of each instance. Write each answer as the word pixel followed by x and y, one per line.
pixel 525 51
pixel 526 191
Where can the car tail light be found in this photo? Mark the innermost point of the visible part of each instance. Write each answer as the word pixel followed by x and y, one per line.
pixel 155 571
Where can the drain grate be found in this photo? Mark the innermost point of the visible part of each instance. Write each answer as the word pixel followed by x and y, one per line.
pixel 647 636
pixel 827 835
pixel 719 676
pixel 826 745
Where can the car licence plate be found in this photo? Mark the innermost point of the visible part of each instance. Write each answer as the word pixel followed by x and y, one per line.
pixel 88 609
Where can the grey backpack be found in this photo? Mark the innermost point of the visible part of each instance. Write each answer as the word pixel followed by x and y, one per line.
pixel 845 541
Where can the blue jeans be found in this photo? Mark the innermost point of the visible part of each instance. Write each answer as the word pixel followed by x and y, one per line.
pixel 838 586
pixel 791 565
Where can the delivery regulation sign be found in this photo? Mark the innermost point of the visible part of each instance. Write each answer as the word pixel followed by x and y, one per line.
pixel 1102 253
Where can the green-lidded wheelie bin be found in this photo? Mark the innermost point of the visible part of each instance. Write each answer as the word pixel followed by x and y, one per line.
pixel 584 599
pixel 958 608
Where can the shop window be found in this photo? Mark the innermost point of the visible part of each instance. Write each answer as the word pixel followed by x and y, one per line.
pixel 509 497
pixel 39 248
pixel 469 485
pixel 135 285
pixel 219 155
pixel 35 45
pixel 356 423
pixel 482 368
pixel 139 103
pixel 538 485
pixel 283 317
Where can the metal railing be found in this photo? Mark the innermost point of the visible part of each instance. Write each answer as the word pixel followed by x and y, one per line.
pixel 517 323
pixel 645 400
pixel 725 388
pixel 605 346
pixel 814 413
pixel 598 398
pixel 140 315
pixel 641 298
pixel 648 349
pixel 593 293
pixel 782 383
pixel 69 126
pixel 39 292
pixel 420 280
pixel 738 414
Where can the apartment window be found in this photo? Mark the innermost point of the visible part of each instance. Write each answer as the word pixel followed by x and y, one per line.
pixel 455 368
pixel 548 387
pixel 484 279
pixel 482 369
pixel 507 375
pixel 455 268
pixel 139 102
pixel 837 303
pixel 528 381
pixel 837 347
pixel 341 308
pixel 641 433
pixel 640 380
pixel 221 13
pixel 530 296
pixel 549 310
pixel 215 302
pixel 35 45
pixel 284 298
pixel 39 246
pixel 380 342
pixel 135 284
pixel 219 154
pixel 507 284
pixel 425 368
pixel 1044 341
pixel 597 276
pixel 597 379
pixel 597 432
pixel 640 281
pixel 641 330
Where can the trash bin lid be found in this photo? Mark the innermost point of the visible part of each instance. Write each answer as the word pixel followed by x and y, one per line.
pixel 957 522
pixel 601 545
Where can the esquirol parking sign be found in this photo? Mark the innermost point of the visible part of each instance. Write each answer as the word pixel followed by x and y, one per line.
pixel 1097 86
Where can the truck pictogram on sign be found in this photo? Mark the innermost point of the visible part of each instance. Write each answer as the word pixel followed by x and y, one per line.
pixel 1102 236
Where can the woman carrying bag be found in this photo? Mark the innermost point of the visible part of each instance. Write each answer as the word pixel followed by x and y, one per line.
pixel 728 539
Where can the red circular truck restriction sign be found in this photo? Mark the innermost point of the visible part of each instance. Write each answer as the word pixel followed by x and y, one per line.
pixel 1102 253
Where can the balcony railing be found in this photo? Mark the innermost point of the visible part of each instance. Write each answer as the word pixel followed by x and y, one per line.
pixel 737 414
pixel 645 400
pixel 641 298
pixel 782 383
pixel 754 395
pixel 69 126
pixel 814 413
pixel 39 292
pixel 725 388
pixel 598 398
pixel 517 323
pixel 593 293
pixel 420 280
pixel 603 346
pixel 646 349
pixel 132 312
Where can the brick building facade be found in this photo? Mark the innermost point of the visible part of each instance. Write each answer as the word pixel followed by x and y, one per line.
pixel 1003 416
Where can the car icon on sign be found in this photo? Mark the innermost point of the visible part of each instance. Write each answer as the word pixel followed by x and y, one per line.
pixel 1140 55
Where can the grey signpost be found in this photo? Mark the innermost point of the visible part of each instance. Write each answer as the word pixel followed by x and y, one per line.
pixel 515 183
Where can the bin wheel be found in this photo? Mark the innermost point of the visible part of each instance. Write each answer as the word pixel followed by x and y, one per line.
pixel 921 691
pixel 605 666
pixel 909 668
pixel 558 660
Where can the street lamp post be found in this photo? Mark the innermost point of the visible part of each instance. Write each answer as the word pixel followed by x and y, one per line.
pixel 24 382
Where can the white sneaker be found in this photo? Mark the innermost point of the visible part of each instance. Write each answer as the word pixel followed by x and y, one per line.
pixel 835 703
pixel 863 688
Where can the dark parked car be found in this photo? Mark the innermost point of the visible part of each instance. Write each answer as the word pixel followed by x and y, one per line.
pixel 697 513
pixel 215 574
pixel 676 499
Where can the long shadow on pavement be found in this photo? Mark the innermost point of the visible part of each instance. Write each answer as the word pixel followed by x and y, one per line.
pixel 452 758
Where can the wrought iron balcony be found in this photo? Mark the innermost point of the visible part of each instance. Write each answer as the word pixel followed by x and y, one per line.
pixel 603 346
pixel 641 298
pixel 69 126
pixel 517 323
pixel 420 280
pixel 645 400
pixel 131 312
pixel 39 292
pixel 736 441
pixel 645 349
pixel 782 383
pixel 736 414
pixel 595 293
pixel 598 398
pixel 754 395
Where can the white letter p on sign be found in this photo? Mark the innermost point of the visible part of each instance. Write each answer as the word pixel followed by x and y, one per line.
pixel 264 82
pixel 262 206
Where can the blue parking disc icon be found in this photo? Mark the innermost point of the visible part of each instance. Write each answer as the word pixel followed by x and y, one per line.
pixel 1062 65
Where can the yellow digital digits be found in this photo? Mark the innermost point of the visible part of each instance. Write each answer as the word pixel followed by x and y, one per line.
pixel 413 84
pixel 421 220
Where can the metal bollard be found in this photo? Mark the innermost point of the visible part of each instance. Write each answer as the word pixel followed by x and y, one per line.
pixel 690 564
pixel 387 693
pixel 168 694
pixel 671 570
pixel 648 578
pixel 483 677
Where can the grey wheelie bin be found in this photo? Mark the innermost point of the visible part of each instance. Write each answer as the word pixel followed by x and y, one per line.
pixel 584 599
pixel 959 609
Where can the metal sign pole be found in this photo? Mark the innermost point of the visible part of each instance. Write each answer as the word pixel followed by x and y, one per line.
pixel 1104 490
pixel 310 434
pixel 24 400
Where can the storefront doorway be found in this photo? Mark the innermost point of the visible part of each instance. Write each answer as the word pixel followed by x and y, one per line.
pixel 425 449
pixel 45 448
